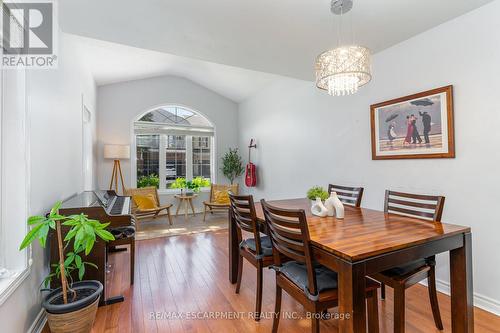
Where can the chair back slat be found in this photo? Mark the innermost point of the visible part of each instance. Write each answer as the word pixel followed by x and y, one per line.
pixel 289 242
pixel 348 195
pixel 290 238
pixel 242 210
pixel 290 253
pixel 429 207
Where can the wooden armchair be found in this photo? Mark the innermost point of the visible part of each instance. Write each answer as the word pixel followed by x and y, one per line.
pixel 212 205
pixel 153 212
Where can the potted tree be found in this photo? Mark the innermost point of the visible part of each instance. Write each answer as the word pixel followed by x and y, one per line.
pixel 73 306
pixel 232 166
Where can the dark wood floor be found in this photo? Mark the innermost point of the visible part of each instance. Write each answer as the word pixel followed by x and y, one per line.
pixel 188 275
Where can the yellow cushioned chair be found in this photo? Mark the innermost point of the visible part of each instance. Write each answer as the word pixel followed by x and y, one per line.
pixel 146 203
pixel 219 198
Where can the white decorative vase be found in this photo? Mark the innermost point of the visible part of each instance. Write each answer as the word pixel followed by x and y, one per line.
pixel 334 206
pixel 318 208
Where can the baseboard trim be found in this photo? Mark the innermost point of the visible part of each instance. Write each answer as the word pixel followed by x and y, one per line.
pixel 39 322
pixel 483 302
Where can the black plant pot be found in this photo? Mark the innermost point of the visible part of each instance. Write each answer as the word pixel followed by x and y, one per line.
pixel 87 293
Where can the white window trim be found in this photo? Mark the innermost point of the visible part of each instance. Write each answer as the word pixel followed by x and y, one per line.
pixel 189 159
pixel 199 132
pixel 10 284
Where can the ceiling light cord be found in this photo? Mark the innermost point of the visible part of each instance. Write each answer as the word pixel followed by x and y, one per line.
pixel 339 29
pixel 352 27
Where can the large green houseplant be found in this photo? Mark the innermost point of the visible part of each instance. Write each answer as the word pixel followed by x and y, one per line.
pixel 73 303
pixel 232 166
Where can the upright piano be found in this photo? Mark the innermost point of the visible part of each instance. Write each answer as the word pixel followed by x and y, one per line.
pixel 106 207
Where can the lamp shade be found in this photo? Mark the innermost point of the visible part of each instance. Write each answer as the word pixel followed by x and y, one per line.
pixel 117 152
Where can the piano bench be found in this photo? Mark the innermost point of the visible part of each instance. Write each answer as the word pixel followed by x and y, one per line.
pixel 125 241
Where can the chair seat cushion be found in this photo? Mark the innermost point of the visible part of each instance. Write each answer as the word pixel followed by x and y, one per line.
pixel 405 269
pixel 123 232
pixel 265 245
pixel 297 272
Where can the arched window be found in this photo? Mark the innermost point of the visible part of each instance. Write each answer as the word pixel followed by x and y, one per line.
pixel 173 142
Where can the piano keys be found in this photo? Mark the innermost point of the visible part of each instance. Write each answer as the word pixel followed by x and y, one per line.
pixel 106 207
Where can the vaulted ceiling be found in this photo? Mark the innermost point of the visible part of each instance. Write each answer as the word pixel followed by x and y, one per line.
pixel 112 62
pixel 274 36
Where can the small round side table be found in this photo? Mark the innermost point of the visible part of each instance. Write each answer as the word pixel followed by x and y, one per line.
pixel 187 200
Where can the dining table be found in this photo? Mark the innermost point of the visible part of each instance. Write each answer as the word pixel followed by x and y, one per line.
pixel 368 241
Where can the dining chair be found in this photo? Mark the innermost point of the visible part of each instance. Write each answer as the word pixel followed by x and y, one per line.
pixel 311 284
pixel 400 278
pixel 256 250
pixel 348 195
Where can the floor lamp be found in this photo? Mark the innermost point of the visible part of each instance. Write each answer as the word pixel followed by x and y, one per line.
pixel 117 153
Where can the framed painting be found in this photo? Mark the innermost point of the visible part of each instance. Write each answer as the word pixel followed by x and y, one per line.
pixel 415 126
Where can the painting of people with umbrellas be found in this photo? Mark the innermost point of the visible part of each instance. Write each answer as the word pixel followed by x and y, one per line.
pixel 415 126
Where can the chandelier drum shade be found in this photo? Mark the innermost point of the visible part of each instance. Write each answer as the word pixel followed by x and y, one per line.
pixel 342 70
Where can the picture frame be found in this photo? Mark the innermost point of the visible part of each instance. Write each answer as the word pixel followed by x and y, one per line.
pixel 415 126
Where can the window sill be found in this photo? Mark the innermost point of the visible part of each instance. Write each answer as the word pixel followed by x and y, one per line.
pixel 10 284
pixel 177 191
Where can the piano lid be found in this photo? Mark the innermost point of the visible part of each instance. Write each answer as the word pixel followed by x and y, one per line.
pixel 84 199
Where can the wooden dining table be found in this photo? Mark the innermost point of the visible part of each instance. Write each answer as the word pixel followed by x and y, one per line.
pixel 368 241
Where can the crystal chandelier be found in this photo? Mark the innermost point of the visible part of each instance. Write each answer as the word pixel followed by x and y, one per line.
pixel 343 70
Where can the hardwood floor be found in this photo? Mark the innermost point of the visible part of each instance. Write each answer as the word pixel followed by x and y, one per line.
pixel 188 275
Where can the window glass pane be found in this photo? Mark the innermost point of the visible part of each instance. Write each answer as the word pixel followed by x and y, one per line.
pixel 148 148
pixel 175 115
pixel 175 158
pixel 202 157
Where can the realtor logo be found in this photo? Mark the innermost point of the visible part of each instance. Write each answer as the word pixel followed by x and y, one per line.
pixel 28 34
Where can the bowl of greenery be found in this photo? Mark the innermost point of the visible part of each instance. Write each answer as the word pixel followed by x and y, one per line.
pixel 189 187
pixel 317 192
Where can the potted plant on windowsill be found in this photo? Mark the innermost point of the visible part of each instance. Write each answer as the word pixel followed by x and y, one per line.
pixel 73 306
pixel 189 187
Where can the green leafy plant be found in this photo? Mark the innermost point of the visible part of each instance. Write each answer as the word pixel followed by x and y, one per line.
pixel 195 185
pixel 201 181
pixel 317 192
pixel 82 234
pixel 150 180
pixel 179 183
pixel 232 166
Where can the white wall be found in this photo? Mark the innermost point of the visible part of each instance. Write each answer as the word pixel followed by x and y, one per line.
pixel 55 117
pixel 120 104
pixel 306 137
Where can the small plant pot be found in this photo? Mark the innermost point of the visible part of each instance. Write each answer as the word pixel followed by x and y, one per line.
pixel 77 316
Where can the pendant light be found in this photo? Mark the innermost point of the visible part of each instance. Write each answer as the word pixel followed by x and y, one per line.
pixel 342 70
